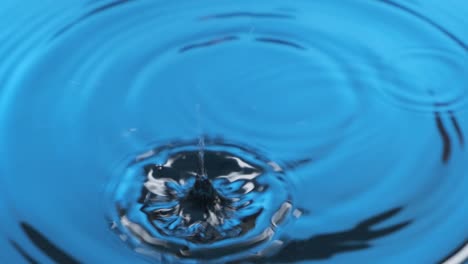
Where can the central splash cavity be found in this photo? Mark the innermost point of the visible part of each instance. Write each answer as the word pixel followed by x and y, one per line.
pixel 181 202
pixel 177 201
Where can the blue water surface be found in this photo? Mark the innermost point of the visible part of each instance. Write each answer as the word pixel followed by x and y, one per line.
pixel 233 131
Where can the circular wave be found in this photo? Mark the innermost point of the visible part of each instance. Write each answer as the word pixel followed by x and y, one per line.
pixel 348 121
pixel 202 204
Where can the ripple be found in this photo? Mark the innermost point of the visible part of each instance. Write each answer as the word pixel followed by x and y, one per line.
pixel 233 131
pixel 168 201
pixel 430 80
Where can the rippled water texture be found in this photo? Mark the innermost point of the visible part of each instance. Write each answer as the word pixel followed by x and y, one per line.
pixel 239 131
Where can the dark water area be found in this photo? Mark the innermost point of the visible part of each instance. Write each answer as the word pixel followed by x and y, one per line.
pixel 233 131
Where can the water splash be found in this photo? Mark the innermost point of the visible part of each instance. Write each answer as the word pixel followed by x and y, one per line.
pixel 231 202
pixel 201 142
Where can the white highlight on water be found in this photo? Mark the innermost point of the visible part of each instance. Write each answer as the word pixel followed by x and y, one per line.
pixel 459 258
